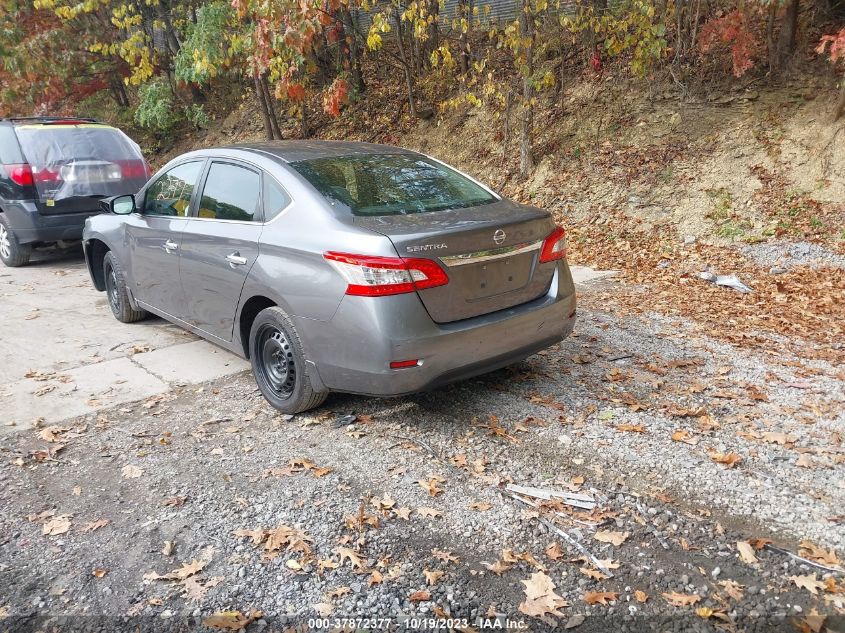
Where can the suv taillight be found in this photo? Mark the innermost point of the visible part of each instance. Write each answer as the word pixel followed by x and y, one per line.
pixel 134 169
pixel 372 276
pixel 20 174
pixel 554 246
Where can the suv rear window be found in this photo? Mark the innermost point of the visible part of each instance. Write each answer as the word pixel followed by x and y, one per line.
pixel 391 184
pixel 81 160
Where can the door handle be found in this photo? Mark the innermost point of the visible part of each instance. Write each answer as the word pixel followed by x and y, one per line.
pixel 170 246
pixel 235 259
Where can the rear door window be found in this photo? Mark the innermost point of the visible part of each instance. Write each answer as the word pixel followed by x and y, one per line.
pixel 170 194
pixel 231 192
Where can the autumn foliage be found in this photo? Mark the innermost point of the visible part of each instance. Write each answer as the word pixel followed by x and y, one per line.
pixel 731 32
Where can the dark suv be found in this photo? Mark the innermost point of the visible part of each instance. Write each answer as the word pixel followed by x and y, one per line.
pixel 53 172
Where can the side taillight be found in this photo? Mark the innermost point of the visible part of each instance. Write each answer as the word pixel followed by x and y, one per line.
pixel 554 246
pixel 20 174
pixel 373 276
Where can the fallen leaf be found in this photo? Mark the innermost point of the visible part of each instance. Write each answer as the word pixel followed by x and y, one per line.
pixel 430 485
pixel 727 459
pixel 403 513
pixel 324 609
pixel 808 582
pixel 99 573
pixel 446 557
pixel 681 599
pixel 375 578
pixel 600 597
pixel 746 552
pixel 431 577
pixel 231 620
pixel 814 552
pixel 682 435
pixel 555 551
pixel 95 525
pixel 631 428
pixel 733 589
pixel 56 526
pixel 540 597
pixel 167 550
pixel 189 569
pixel 595 574
pixel 498 567
pixel 419 596
pixel 350 555
pixel 429 512
pixel 131 472
pixel 607 536
pixel 480 507
pixel 641 596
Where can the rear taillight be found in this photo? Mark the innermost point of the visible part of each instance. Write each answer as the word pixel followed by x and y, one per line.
pixel 44 175
pixel 554 246
pixel 134 169
pixel 20 174
pixel 372 276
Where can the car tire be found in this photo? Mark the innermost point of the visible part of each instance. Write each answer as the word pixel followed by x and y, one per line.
pixel 12 253
pixel 116 292
pixel 278 363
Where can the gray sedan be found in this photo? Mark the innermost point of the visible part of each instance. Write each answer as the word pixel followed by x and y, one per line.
pixel 336 266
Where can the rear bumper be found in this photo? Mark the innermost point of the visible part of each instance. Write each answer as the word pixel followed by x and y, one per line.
pixel 30 226
pixel 353 351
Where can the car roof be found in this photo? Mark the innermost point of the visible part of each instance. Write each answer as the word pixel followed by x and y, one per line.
pixel 48 120
pixel 296 150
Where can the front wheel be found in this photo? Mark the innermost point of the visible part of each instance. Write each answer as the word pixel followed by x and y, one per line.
pixel 116 292
pixel 278 363
pixel 12 252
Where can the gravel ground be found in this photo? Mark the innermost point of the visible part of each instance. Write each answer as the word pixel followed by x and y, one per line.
pixel 333 499
pixel 788 254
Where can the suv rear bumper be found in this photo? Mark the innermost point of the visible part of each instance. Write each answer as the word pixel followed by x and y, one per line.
pixel 353 351
pixel 30 226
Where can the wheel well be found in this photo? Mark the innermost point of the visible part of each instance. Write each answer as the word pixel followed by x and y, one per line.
pixel 248 313
pixel 95 250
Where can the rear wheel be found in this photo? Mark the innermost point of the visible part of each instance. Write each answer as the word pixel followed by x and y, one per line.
pixel 116 292
pixel 278 363
pixel 12 253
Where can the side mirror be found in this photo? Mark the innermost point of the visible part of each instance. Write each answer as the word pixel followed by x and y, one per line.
pixel 122 205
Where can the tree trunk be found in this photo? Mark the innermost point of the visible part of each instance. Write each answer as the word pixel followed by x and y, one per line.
pixel 526 24
pixel 271 109
pixel 840 107
pixel 409 75
pixel 263 106
pixel 304 128
pixel 788 29
pixel 464 13
pixel 433 28
pixel 770 37
pixel 354 52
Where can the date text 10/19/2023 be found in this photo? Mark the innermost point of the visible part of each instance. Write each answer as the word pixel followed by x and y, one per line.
pixel 413 623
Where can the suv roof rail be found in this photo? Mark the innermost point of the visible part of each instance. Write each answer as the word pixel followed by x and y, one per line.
pixel 52 119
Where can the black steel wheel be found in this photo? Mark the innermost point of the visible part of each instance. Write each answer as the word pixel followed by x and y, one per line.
pixel 116 293
pixel 278 363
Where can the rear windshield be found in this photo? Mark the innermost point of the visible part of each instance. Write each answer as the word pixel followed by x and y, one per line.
pixel 391 184
pixel 82 160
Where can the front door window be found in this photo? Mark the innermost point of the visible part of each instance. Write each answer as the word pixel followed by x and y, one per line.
pixel 170 195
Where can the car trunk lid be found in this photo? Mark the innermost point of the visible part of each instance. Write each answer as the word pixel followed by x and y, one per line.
pixel 490 253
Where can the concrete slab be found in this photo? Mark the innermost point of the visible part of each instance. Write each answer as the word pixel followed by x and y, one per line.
pixel 79 391
pixel 191 363
pixel 54 320
pixel 585 274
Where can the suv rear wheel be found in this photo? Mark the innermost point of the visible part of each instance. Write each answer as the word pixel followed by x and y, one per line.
pixel 116 292
pixel 278 363
pixel 12 253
